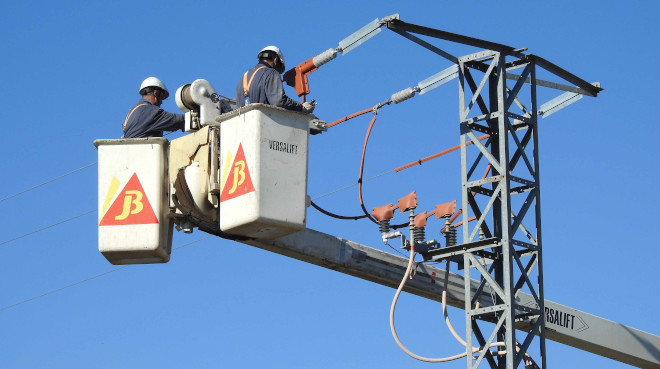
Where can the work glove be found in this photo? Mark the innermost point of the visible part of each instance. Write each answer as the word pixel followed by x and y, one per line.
pixel 307 107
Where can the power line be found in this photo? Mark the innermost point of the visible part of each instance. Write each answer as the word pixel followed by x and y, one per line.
pixel 88 279
pixel 44 228
pixel 352 185
pixel 91 211
pixel 48 181
pixel 63 288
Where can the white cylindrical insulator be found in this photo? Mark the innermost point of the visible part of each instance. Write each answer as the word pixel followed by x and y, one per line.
pixel 403 95
pixel 324 57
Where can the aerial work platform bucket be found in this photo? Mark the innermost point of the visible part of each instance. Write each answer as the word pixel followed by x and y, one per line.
pixel 132 195
pixel 263 166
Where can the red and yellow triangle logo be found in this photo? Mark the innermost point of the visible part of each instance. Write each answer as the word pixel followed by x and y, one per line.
pixel 130 207
pixel 238 177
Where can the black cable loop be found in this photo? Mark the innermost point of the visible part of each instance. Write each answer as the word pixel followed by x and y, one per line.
pixel 335 215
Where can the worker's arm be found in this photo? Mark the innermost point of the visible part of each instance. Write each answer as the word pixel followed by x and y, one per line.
pixel 276 95
pixel 165 121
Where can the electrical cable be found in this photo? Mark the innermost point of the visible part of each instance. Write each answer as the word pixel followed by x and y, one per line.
pixel 349 117
pixel 395 250
pixel 48 181
pixel 87 279
pixel 393 329
pixel 448 321
pixel 335 215
pixel 360 180
pixel 444 309
pixel 50 226
pixel 364 150
pixel 352 185
pixel 406 276
pixel 362 112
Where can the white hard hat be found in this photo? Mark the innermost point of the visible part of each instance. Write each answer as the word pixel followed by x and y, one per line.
pixel 154 82
pixel 272 50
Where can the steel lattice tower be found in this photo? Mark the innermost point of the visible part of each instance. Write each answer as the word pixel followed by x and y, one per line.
pixel 509 256
pixel 501 208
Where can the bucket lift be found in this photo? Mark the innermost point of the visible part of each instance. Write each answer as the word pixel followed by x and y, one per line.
pixel 133 227
pixel 239 174
pixel 228 178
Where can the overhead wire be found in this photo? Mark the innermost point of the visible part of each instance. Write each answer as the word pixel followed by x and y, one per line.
pixel 397 169
pixel 352 185
pixel 48 181
pixel 53 179
pixel 395 250
pixel 360 181
pixel 56 178
pixel 316 206
pixel 47 227
pixel 91 211
pixel 88 279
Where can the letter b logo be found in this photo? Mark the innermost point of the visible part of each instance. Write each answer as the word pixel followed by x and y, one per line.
pixel 238 181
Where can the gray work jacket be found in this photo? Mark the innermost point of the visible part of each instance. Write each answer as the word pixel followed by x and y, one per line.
pixel 266 88
pixel 149 120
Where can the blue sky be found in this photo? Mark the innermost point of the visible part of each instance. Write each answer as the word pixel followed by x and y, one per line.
pixel 71 71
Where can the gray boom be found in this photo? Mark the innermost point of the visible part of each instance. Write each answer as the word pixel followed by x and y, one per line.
pixel 564 324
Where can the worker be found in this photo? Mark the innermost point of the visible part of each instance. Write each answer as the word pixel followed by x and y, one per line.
pixel 146 118
pixel 263 83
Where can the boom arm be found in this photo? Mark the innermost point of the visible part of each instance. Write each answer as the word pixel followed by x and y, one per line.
pixel 563 324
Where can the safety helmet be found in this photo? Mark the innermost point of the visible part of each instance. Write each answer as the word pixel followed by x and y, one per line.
pixel 153 82
pixel 270 52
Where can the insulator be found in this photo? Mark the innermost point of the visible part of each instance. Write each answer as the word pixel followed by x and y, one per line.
pixel 403 95
pixel 450 235
pixel 324 57
pixel 419 233
pixel 384 225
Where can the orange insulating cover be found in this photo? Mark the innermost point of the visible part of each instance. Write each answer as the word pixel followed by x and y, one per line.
pixel 384 212
pixel 441 153
pixel 420 220
pixel 365 111
pixel 297 77
pixel 408 202
pixel 458 224
pixel 447 208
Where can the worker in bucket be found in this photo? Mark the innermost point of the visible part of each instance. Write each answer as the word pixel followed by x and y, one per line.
pixel 146 118
pixel 263 83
